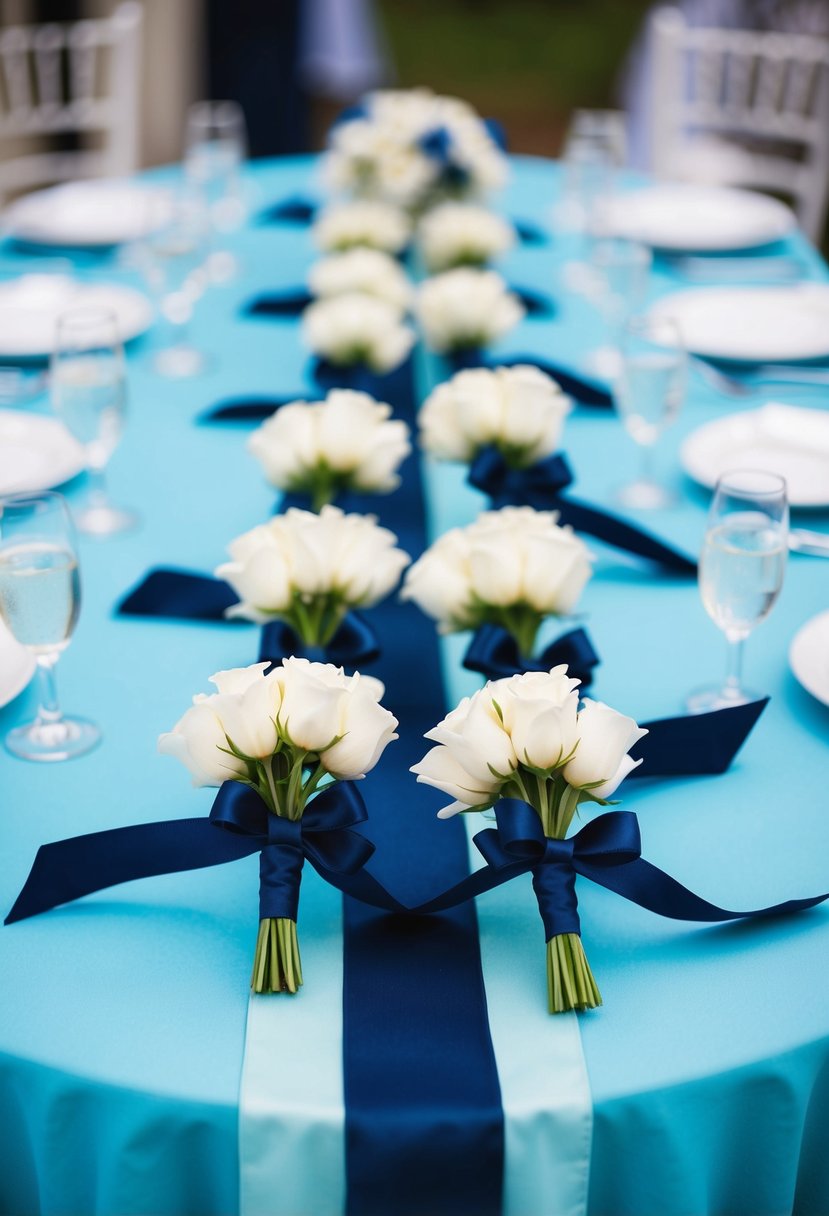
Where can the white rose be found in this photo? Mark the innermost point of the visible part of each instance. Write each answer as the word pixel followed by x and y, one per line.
pixel 605 738
pixel 320 703
pixel 520 410
pixel 539 712
pixel 438 581
pixel 375 224
pixel 365 270
pixel 357 328
pixel 466 308
pixel 440 769
pixel 243 711
pixel 456 234
pixel 348 433
pixel 299 553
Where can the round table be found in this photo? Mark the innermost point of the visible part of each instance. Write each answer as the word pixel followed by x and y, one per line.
pixel 122 1016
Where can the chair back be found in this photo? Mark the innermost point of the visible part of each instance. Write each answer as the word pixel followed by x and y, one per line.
pixel 80 78
pixel 745 108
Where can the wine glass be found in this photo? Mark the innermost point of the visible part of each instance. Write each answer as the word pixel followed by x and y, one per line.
pixel 214 152
pixel 174 259
pixel 88 390
pixel 741 570
pixel 39 602
pixel 620 268
pixel 649 391
pixel 594 148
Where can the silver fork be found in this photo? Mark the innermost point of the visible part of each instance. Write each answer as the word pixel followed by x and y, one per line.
pixel 760 374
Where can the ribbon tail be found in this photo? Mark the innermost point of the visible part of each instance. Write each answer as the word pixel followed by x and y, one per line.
pixel 179 594
pixel 695 745
pixel 253 409
pixel 614 531
pixel 279 304
pixel 649 887
pixel 69 869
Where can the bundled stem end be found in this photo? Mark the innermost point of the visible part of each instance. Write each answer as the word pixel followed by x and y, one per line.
pixel 570 982
pixel 276 964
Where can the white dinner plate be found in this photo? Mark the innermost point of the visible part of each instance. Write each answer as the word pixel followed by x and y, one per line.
pixel 31 304
pixel 784 439
pixel 17 666
pixel 752 324
pixel 93 213
pixel 36 453
pixel 809 656
pixel 698 219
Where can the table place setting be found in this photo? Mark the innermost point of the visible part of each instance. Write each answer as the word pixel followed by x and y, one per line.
pixel 407 718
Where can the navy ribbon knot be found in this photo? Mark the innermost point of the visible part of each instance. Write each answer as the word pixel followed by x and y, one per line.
pixel 494 653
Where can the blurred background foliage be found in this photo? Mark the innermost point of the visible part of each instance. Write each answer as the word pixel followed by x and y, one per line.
pixel 528 63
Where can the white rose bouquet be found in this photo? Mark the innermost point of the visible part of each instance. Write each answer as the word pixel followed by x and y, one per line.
pixel 460 234
pixel 308 570
pixel 413 148
pixel 526 738
pixel 349 441
pixel 356 328
pixel 364 270
pixel 286 734
pixel 373 225
pixel 518 410
pixel 466 309
pixel 511 568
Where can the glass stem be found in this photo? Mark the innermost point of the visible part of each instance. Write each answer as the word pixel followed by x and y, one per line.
pixel 733 687
pixel 97 491
pixel 48 711
pixel 646 463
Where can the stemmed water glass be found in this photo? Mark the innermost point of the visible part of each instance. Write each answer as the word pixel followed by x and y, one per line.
pixel 174 258
pixel 88 389
pixel 214 152
pixel 39 602
pixel 649 391
pixel 620 280
pixel 741 570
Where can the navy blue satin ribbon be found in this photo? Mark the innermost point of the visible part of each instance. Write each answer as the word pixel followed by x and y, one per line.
pixel 542 486
pixel 248 409
pixel 583 390
pixel 289 304
pixel 494 653
pixel 536 305
pixel 185 595
pixel 529 233
pixel 395 387
pixel 297 210
pixel 607 851
pixel 695 745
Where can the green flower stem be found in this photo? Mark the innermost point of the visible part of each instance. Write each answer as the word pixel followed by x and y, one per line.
pixel 317 619
pixel 522 622
pixel 276 963
pixel 570 982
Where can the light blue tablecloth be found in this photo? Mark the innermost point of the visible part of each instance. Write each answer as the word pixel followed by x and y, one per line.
pixel 122 1017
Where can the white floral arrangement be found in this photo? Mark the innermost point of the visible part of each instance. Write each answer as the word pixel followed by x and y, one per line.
pixel 287 733
pixel 356 328
pixel 461 234
pixel 518 410
pixel 349 441
pixel 363 223
pixel 413 147
pixel 527 738
pixel 512 568
pixel 363 270
pixel 466 309
pixel 309 570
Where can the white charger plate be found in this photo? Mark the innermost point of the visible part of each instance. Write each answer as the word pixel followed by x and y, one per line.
pixel 698 219
pixel 784 439
pixel 752 324
pixel 87 214
pixel 809 656
pixel 17 666
pixel 36 453
pixel 31 304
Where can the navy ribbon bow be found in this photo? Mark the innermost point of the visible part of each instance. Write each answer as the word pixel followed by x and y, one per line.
pixel 542 486
pixel 494 653
pixel 239 825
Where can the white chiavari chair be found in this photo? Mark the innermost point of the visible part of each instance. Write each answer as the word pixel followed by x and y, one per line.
pixel 743 107
pixel 80 78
